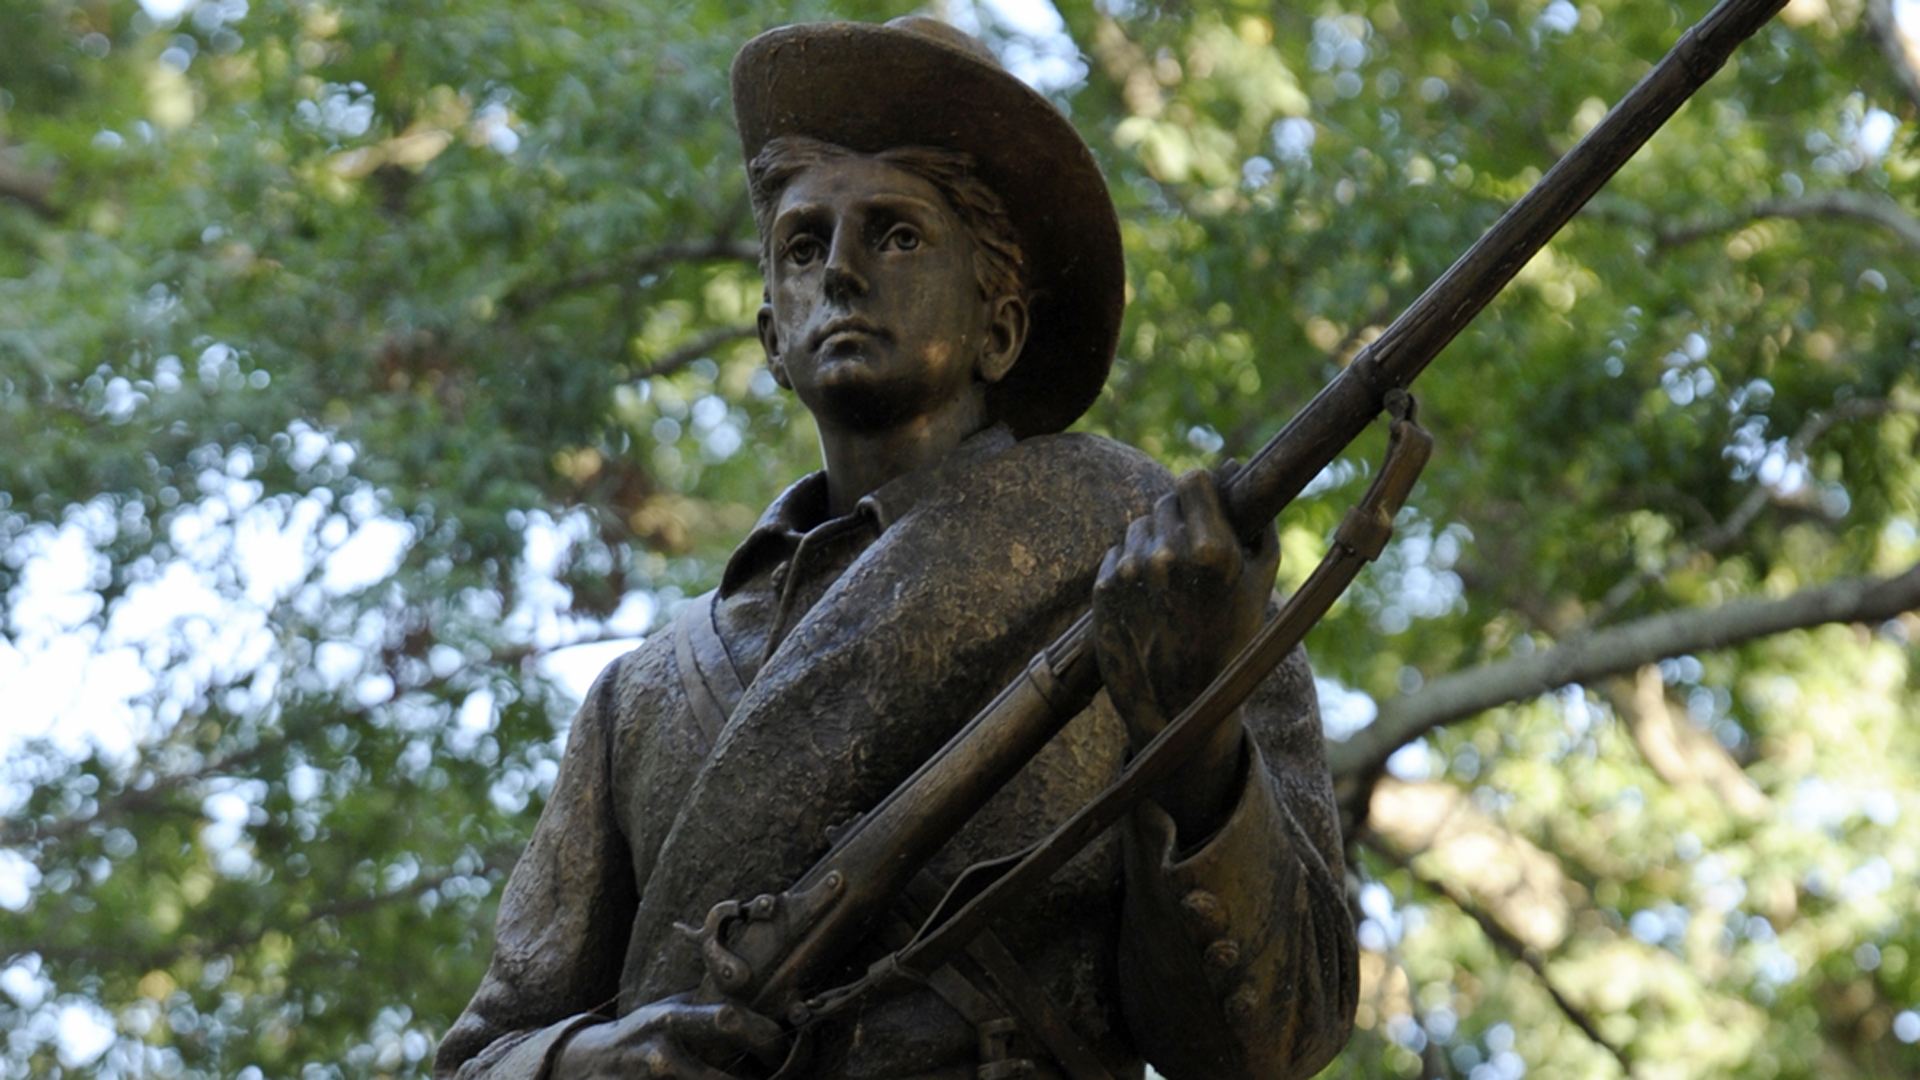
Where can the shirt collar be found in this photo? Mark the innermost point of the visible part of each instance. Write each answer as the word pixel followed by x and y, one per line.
pixel 803 507
pixel 891 501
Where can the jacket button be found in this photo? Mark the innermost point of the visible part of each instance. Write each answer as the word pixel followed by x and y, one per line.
pixel 1222 954
pixel 1201 907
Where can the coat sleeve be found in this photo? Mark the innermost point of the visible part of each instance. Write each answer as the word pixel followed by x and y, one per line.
pixel 562 929
pixel 1238 958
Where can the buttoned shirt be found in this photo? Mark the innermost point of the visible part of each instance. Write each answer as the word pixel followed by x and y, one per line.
pixel 861 643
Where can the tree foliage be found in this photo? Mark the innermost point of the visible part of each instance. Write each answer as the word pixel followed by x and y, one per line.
pixel 360 364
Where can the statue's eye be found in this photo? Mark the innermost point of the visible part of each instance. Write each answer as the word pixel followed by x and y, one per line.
pixel 901 238
pixel 804 250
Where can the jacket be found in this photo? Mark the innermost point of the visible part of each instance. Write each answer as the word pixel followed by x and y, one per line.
pixel 861 643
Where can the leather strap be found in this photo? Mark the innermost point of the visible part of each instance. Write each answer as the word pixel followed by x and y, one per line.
pixel 707 674
pixel 1007 981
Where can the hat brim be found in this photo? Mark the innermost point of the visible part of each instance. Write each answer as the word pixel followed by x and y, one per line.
pixel 871 88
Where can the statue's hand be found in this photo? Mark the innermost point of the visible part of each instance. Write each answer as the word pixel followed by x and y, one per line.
pixel 1172 605
pixel 671 1039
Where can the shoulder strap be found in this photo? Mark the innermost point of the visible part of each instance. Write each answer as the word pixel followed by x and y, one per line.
pixel 707 674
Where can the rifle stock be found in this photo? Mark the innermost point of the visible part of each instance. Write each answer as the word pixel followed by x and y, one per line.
pixel 763 952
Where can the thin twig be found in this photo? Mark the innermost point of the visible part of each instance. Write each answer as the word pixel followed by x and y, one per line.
pixel 526 298
pixel 114 955
pixel 1433 1061
pixel 1874 209
pixel 695 349
pixel 1724 532
pixel 130 801
pixel 358 905
pixel 1901 49
pixel 1504 940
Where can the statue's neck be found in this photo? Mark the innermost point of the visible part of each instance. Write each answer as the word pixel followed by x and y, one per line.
pixel 858 461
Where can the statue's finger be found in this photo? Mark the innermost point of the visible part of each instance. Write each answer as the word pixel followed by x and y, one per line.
pixel 1209 533
pixel 684 1038
pixel 1200 500
pixel 747 1026
pixel 693 1023
pixel 666 1060
pixel 1141 536
pixel 1169 526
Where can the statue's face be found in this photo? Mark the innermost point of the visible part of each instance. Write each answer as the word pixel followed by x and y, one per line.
pixel 876 316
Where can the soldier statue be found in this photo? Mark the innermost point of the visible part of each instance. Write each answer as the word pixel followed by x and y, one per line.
pixel 944 285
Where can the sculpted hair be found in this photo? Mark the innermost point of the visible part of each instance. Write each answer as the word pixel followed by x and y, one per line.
pixel 999 264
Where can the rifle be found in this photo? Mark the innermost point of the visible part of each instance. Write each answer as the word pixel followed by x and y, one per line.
pixel 761 951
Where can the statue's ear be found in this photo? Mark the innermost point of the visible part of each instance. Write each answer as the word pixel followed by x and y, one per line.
pixel 1006 335
pixel 770 342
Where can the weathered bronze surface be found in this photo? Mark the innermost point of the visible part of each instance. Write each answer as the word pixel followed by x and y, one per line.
pixel 944 291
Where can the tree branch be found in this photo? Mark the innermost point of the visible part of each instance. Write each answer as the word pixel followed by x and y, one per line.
pixel 1434 1064
pixel 129 802
pixel 347 907
pixel 1902 51
pixel 521 300
pixel 1505 941
pixel 1618 649
pixel 695 349
pixel 1721 533
pixel 1873 209
pixel 116 955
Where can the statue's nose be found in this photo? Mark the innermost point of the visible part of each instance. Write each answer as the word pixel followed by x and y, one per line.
pixel 843 278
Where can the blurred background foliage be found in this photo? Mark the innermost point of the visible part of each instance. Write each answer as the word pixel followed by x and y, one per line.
pixel 371 372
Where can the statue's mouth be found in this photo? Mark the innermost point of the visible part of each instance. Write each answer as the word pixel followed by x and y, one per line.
pixel 843 327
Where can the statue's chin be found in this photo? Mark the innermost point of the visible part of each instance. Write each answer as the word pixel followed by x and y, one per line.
pixel 856 398
pixel 866 410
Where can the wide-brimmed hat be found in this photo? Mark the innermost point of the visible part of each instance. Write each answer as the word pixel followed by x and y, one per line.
pixel 919 82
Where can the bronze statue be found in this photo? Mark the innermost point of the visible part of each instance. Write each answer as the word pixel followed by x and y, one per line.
pixel 944 287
